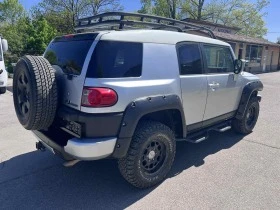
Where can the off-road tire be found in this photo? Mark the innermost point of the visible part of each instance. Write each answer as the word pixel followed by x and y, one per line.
pixel 241 126
pixel 130 166
pixel 35 92
pixel 3 90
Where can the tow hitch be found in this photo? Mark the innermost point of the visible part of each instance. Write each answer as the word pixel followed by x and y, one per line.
pixel 40 146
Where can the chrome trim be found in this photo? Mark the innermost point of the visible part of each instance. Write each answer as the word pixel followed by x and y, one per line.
pixel 80 149
pixel 90 149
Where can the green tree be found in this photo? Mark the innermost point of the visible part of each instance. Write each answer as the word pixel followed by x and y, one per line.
pixel 99 6
pixel 278 40
pixel 194 9
pixel 165 8
pixel 64 11
pixel 239 13
pixel 61 21
pixel 40 33
pixel 11 11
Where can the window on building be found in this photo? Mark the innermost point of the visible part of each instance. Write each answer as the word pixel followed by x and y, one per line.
pixel 233 46
pixel 219 59
pixel 254 53
pixel 189 59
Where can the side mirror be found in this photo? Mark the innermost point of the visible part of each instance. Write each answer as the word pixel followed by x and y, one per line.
pixel 4 45
pixel 238 66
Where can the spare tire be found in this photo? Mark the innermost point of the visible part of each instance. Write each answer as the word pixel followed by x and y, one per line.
pixel 35 92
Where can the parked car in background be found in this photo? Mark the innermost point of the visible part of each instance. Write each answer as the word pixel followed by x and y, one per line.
pixel 3 72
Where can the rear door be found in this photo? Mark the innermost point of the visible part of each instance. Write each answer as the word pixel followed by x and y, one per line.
pixel 193 83
pixel 70 56
pixel 224 88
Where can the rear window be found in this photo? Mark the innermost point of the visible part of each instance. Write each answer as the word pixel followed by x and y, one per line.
pixel 113 59
pixel 69 55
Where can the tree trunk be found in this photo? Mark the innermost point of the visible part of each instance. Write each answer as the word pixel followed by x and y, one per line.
pixel 174 10
pixel 199 9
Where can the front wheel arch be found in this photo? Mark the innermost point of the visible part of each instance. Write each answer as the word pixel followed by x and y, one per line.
pixel 249 91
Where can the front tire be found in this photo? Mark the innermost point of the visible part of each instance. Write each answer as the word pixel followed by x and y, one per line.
pixel 249 120
pixel 150 155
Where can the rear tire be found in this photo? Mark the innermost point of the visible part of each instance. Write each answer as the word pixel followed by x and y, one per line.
pixel 249 120
pixel 35 92
pixel 150 155
pixel 3 90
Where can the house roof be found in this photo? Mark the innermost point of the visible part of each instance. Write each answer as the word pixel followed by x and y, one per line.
pixel 246 39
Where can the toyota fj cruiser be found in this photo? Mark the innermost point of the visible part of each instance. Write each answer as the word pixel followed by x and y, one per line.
pixel 130 94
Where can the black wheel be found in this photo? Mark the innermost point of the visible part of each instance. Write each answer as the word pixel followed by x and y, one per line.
pixel 150 156
pixel 34 92
pixel 3 90
pixel 249 120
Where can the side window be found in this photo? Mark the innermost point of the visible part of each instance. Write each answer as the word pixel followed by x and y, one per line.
pixel 113 59
pixel 218 59
pixel 189 59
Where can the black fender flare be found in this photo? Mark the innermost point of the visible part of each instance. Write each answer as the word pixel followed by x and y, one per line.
pixel 246 95
pixel 139 108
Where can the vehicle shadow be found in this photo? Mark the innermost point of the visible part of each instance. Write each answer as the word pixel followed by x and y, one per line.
pixel 39 180
pixel 10 88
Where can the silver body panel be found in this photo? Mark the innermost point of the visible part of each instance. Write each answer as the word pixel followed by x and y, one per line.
pixel 194 96
pixel 225 96
pixel 160 76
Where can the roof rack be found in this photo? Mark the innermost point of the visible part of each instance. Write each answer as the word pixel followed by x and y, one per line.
pixel 126 20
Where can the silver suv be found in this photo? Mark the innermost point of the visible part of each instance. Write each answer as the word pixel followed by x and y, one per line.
pixel 130 94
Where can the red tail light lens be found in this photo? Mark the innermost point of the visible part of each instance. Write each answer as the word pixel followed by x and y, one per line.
pixel 99 97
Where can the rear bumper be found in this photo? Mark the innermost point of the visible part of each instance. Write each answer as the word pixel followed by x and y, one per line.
pixel 80 148
pixel 87 125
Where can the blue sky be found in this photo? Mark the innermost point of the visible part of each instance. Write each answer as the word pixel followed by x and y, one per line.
pixel 272 18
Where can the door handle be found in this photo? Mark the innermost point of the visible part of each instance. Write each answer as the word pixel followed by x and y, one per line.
pixel 214 85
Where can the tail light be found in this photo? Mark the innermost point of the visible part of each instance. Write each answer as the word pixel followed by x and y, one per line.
pixel 99 97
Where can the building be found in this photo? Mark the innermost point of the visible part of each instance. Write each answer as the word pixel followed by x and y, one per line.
pixel 261 55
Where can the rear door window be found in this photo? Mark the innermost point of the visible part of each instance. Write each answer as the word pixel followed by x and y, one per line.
pixel 114 59
pixel 69 53
pixel 189 59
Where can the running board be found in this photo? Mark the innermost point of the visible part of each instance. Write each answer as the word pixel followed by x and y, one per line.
pixel 197 139
pixel 200 136
pixel 221 130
